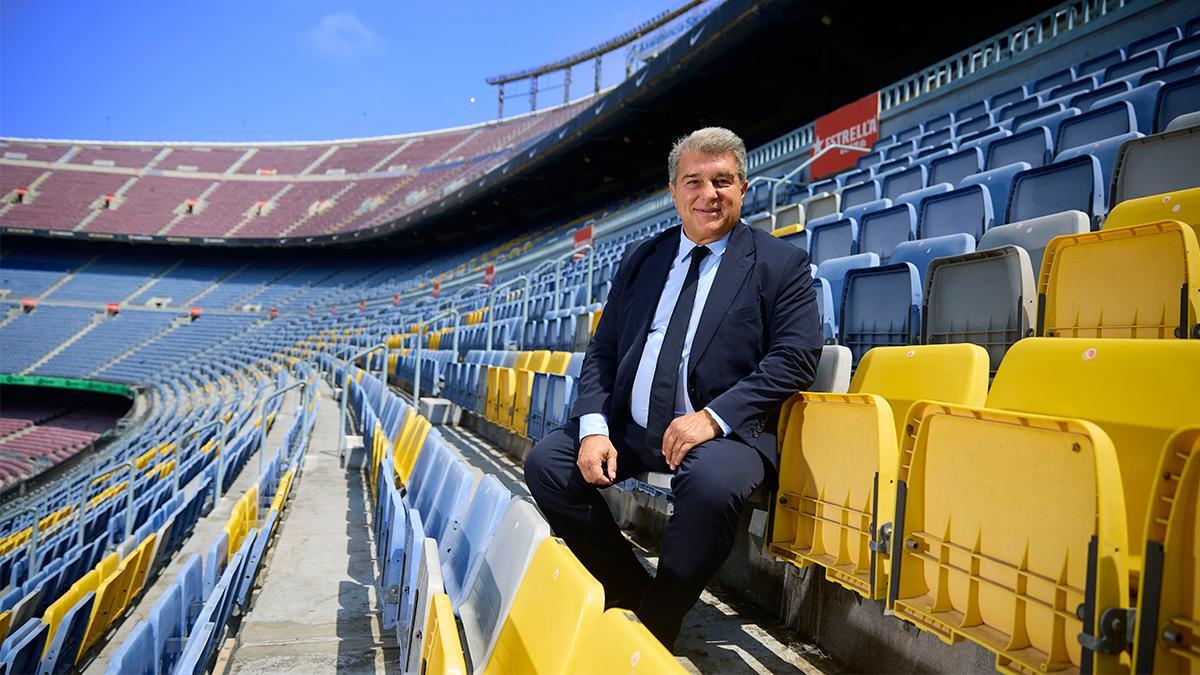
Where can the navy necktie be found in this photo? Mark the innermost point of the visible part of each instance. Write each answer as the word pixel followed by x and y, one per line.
pixel 661 409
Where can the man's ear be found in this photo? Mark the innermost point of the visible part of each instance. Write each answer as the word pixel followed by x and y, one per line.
pixel 745 186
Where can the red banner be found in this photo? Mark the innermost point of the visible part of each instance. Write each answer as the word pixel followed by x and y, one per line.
pixel 489 275
pixel 583 237
pixel 29 304
pixel 395 299
pixel 273 313
pixel 362 305
pixel 195 311
pixel 855 124
pixel 437 289
pixel 112 308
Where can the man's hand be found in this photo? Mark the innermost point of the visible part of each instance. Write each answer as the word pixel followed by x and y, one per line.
pixel 597 457
pixel 685 433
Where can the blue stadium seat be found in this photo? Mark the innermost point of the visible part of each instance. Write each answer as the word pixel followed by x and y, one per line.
pixel 857 212
pixel 956 166
pixel 446 512
pixel 832 238
pixel 1188 46
pixel 825 309
pixel 998 182
pixel 900 149
pixel 1105 151
pixel 1072 185
pixel 1018 108
pixel 1182 68
pixel 1006 97
pixel 191 586
pixel 1064 93
pixel 1049 121
pixel 1141 98
pixel 1099 123
pixel 166 625
pixel 971 111
pixel 1032 117
pixel 1154 40
pixel 1176 99
pixel 882 230
pixel 1055 79
pixel 1133 66
pixel 944 121
pixel 857 176
pixel 1085 101
pixel 967 210
pixel 463 549
pixel 64 646
pixel 905 180
pixel 919 252
pixel 882 307
pixel 862 193
pixel 1097 64
pixel 22 649
pixel 136 655
pixel 917 196
pixel 974 125
pixel 1032 146
pixel 833 272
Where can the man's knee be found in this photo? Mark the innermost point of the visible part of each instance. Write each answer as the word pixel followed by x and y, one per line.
pixel 719 480
pixel 549 463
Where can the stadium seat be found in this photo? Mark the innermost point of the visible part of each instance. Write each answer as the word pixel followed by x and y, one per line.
pixel 1136 282
pixel 821 205
pixel 857 195
pixel 826 309
pixel 881 307
pixel 1101 122
pixel 428 584
pixel 556 608
pixel 446 512
pixel 917 196
pixel 921 251
pixel 1167 615
pixel 1183 206
pixel 1175 100
pixel 882 230
pixel 1157 164
pixel 1104 151
pixel 905 180
pixel 831 237
pixel 957 166
pixel 999 184
pixel 519 533
pixel 629 647
pixel 840 457
pixel 136 655
pixel 1071 185
pixel 1068 533
pixel 462 549
pixel 967 210
pixel 1032 235
pixel 1097 64
pixel 986 297
pixel 1032 146
pixel 833 272
pixel 442 651
pixel 23 648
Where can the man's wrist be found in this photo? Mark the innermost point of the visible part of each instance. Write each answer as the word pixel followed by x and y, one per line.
pixel 718 424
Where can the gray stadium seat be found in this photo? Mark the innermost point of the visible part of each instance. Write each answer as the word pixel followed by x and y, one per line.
pixel 1156 164
pixel 789 214
pixel 987 297
pixel 1033 234
pixel 821 205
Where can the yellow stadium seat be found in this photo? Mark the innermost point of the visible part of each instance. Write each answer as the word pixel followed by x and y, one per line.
pixel 106 566
pixel 541 362
pixel 788 230
pixel 145 555
pixel 1141 281
pixel 442 653
pixel 6 623
pixel 840 458
pixel 556 607
pixel 507 386
pixel 111 595
pixel 628 647
pixel 558 363
pixel 1183 206
pixel 595 321
pixel 999 508
pixel 407 461
pixel 1168 629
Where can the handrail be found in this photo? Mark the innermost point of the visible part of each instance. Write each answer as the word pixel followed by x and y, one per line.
pixel 262 420
pixel 787 177
pixel 346 394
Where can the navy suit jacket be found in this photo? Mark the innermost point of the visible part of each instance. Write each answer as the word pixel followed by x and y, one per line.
pixel 757 343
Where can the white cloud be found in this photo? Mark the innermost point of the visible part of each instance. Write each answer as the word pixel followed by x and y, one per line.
pixel 343 36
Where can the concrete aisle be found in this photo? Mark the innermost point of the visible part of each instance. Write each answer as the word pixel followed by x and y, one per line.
pixel 316 610
pixel 203 535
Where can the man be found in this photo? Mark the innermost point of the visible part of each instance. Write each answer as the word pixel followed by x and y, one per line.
pixel 708 329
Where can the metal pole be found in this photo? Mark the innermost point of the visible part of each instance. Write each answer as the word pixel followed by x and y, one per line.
pixel 491 303
pixel 420 331
pixel 222 432
pixel 262 420
pixel 33 540
pixel 346 395
pixel 81 514
pixel 177 451
pixel 129 502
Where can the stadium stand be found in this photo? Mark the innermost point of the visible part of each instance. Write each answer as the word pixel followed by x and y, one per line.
pixel 1000 447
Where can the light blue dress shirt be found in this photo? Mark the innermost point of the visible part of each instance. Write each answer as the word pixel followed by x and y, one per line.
pixel 639 401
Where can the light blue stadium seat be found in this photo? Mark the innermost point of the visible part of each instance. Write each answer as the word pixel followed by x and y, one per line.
pixel 64 646
pixel 1032 235
pixel 999 183
pixel 967 210
pixel 1097 64
pixel 1065 92
pixel 1133 66
pixel 856 212
pixel 943 121
pixel 917 196
pixel 463 549
pixel 391 573
pixel 1006 97
pixel 1055 79
pixel 1015 109
pixel 446 511
pixel 833 272
pixel 861 193
pixel 413 538
pixel 427 476
pixel 1050 120
pixel 1104 150
pixel 136 655
pixel 254 561
pixel 22 649
pixel 919 252
pixel 1154 40
pixel 166 625
pixel 214 563
pixel 1071 185
pixel 971 111
pixel 191 586
pixel 831 238
pixel 826 310
pixel 882 230
pixel 974 125
pixel 882 307
pixel 1085 101
pixel 1033 146
pixel 1142 99
pixel 956 166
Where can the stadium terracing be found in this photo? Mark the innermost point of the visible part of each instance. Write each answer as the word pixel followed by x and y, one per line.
pixel 316 464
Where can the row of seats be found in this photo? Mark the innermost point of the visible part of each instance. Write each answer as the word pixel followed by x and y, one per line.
pixel 525 603
pixel 991 514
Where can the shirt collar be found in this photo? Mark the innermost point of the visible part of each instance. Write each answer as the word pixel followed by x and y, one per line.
pixel 715 248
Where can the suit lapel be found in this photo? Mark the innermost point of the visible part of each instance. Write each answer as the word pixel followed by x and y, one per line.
pixel 738 259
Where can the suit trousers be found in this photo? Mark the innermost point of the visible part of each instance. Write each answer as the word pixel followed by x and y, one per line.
pixel 709 490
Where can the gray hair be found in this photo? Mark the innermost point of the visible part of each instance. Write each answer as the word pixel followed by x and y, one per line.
pixel 710 141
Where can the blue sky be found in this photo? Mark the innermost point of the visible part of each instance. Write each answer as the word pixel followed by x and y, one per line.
pixel 221 70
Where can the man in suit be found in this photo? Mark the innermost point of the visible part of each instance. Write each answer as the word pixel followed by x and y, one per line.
pixel 708 329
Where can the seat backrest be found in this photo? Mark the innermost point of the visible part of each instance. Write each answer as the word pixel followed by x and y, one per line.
pixel 1070 185
pixel 834 272
pixel 1156 39
pixel 986 298
pixel 1156 164
pixel 970 111
pixel 1138 391
pixel 1183 206
pixel 1018 108
pixel 956 373
pixel 826 309
pixel 882 230
pixel 1087 100
pixel 1032 146
pixel 1175 100
pixel 919 252
pixel 1065 92
pixel 834 239
pixel 1105 151
pixel 575 365
pixel 517 536
pixel 1097 64
pixel 999 184
pixel 833 370
pixel 629 647
pixel 956 166
pixel 442 651
pixel 462 550
pixel 917 196
pixel 1055 79
pixel 1048 116
pixel 906 180
pixel 167 628
pixel 1006 97
pixel 857 195
pixel 789 214
pixel 1033 234
pixel 136 654
pixel 1133 65
pixel 822 205
pixel 880 308
pixel 1141 102
pixel 451 500
pixel 1102 121
pixel 857 212
pixel 556 608
pixel 967 210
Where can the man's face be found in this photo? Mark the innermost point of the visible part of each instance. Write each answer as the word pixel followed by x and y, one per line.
pixel 708 195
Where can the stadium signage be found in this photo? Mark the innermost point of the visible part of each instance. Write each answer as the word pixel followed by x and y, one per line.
pixel 437 289
pixel 854 124
pixel 489 275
